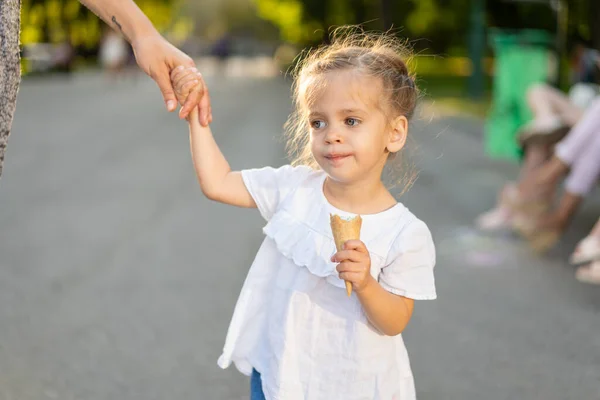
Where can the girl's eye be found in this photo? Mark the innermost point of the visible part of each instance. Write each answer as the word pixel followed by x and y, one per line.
pixel 317 124
pixel 352 121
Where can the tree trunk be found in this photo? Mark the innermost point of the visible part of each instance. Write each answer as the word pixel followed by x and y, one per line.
pixel 386 14
pixel 594 21
pixel 10 68
pixel 360 12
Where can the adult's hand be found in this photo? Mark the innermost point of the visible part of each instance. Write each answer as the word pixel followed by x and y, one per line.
pixel 157 58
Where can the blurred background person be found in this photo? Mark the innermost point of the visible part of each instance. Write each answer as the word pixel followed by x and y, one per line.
pixel 587 253
pixel 577 156
pixel 554 114
pixel 114 53
pixel 222 50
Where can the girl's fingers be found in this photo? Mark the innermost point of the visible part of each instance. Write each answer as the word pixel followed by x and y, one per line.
pixel 351 255
pixel 185 85
pixel 355 245
pixel 348 266
pixel 180 80
pixel 353 277
pixel 178 72
pixel 188 86
pixel 197 97
pixel 181 70
pixel 184 77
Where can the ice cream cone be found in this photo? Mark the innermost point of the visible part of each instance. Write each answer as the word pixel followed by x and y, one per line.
pixel 344 230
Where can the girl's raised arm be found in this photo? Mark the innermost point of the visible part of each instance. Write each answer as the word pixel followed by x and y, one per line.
pixel 217 181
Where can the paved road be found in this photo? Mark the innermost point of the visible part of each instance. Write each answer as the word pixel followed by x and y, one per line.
pixel 118 278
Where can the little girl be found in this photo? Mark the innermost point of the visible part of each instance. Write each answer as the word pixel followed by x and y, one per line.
pixel 294 329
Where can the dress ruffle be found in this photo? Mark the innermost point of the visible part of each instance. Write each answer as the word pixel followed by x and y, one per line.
pixel 304 246
pixel 310 246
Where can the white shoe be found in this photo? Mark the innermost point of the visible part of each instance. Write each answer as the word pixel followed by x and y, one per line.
pixel 499 218
pixel 493 220
pixel 547 130
pixel 589 273
pixel 587 250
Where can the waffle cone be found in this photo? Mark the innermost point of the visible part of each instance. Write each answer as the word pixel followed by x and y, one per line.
pixel 344 230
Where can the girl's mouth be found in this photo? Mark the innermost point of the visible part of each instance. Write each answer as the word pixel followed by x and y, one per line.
pixel 336 158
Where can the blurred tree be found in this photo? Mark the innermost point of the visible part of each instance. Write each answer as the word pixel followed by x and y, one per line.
pixel 57 21
pixel 435 26
pixel 293 18
pixel 386 14
pixel 241 17
pixel 594 22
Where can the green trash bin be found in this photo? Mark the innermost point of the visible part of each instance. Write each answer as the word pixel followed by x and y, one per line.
pixel 522 58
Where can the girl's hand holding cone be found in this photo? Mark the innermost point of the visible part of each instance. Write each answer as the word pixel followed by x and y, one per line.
pixel 354 264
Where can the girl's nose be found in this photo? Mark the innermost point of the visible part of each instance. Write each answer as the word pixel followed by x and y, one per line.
pixel 333 137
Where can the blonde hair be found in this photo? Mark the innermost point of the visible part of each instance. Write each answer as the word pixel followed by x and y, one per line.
pixel 378 55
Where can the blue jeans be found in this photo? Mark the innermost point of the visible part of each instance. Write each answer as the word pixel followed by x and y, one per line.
pixel 256 392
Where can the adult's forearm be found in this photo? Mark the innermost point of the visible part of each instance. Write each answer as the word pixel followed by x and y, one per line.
pixel 124 16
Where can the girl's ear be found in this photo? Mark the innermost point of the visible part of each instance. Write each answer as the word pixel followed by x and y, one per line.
pixel 398 134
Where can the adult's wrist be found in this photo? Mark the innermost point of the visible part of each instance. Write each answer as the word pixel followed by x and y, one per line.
pixel 143 32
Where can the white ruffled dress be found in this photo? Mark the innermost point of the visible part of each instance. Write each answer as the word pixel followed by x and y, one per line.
pixel 293 321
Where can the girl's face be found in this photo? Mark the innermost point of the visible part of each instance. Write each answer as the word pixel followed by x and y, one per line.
pixel 350 135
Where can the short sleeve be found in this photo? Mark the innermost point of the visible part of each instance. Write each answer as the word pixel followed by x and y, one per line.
pixel 268 186
pixel 408 270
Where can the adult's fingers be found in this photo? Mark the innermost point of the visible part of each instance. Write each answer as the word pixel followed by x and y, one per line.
pixel 163 80
pixel 205 108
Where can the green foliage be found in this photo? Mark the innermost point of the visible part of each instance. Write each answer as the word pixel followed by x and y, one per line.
pixel 435 26
pixel 56 21
pixel 290 17
pixel 443 22
pixel 438 27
